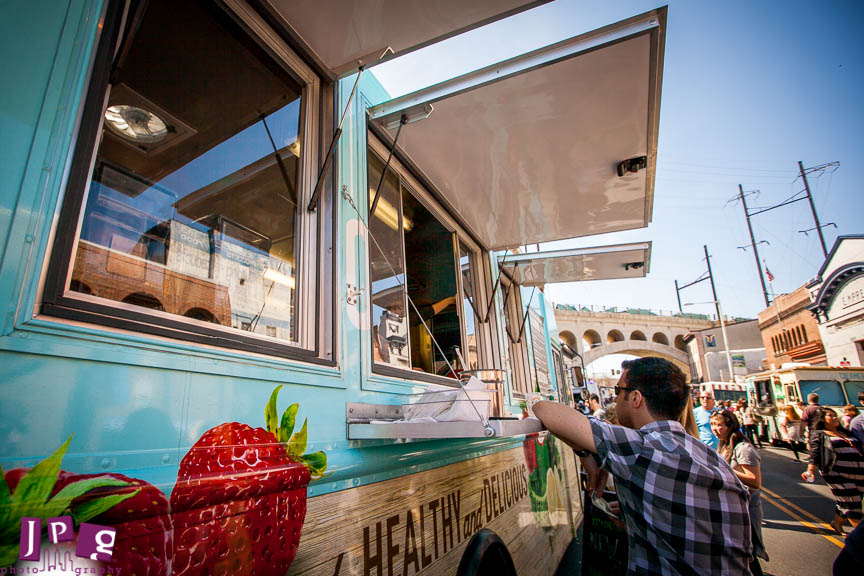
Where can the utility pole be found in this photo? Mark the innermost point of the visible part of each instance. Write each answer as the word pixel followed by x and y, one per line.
pixel 713 290
pixel 813 209
pixel 678 294
pixel 753 244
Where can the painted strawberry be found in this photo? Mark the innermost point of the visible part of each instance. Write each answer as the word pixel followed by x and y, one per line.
pixel 240 498
pixel 143 544
pixel 530 450
pixel 46 491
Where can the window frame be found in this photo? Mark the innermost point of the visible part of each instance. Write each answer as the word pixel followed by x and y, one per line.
pixel 420 191
pixel 314 327
pixel 519 367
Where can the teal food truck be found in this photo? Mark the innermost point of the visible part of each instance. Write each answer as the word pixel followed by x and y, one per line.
pixel 243 286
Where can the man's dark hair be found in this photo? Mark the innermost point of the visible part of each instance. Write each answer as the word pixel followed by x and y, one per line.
pixel 813 398
pixel 661 382
pixel 594 397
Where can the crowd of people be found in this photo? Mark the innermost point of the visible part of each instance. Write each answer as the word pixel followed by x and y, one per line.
pixel 688 480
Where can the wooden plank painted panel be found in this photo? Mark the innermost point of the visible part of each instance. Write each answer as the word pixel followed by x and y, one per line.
pixel 421 523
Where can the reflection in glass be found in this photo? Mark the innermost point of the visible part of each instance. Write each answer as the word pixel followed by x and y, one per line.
pixel 387 271
pixel 201 221
pixel 469 309
pixel 853 389
pixel 517 352
pixel 830 392
pixel 431 281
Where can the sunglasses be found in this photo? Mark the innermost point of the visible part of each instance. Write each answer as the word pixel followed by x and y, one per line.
pixel 618 389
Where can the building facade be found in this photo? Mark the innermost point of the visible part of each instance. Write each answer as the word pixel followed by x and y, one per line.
pixel 707 351
pixel 790 333
pixel 837 295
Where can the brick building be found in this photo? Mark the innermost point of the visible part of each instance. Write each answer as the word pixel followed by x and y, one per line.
pixel 790 333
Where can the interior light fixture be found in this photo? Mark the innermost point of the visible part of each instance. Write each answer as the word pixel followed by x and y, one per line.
pixel 279 278
pixel 135 124
pixel 388 214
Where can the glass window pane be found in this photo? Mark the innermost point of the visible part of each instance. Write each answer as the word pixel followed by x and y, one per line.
pixel 853 389
pixel 516 352
pixel 431 282
pixel 387 271
pixel 193 203
pixel 830 393
pixel 469 310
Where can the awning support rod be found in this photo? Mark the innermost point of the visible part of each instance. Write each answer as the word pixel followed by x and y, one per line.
pixel 282 168
pixel 313 202
pixel 402 122
pixel 495 287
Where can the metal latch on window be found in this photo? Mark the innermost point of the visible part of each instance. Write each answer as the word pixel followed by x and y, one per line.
pixel 352 294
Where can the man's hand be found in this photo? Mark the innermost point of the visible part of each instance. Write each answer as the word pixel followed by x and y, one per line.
pixel 597 478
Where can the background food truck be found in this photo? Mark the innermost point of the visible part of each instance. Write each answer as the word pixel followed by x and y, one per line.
pixel 232 266
pixel 723 391
pixel 837 387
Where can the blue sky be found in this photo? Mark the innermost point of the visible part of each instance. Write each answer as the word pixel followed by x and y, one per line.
pixel 749 88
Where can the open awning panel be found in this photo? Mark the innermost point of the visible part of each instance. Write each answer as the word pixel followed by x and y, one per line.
pixel 343 34
pixel 579 264
pixel 527 151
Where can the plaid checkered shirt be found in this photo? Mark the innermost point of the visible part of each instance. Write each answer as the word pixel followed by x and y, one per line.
pixel 686 511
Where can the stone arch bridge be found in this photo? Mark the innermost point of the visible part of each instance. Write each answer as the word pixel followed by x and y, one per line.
pixel 595 334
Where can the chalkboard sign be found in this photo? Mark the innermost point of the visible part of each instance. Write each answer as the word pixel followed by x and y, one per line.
pixel 604 542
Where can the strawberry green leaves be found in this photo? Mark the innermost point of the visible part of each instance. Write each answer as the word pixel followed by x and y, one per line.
pixel 316 463
pixel 295 444
pixel 271 418
pixel 286 427
pixel 36 486
pixel 63 500
pixel 32 498
pixel 93 508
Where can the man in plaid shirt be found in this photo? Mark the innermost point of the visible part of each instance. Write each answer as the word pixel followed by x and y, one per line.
pixel 686 511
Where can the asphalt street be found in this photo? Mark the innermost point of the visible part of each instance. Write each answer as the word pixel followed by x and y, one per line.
pixel 797 515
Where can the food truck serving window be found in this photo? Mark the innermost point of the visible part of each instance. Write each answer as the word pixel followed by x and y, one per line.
pixel 422 273
pixel 830 393
pixel 191 220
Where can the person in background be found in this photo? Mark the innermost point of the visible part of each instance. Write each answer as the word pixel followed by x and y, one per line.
pixel 856 427
pixel 702 415
pixel 750 419
pixel 850 411
pixel 793 429
pixel 686 511
pixel 596 407
pixel 746 464
pixel 845 475
pixel 611 414
pixel 810 415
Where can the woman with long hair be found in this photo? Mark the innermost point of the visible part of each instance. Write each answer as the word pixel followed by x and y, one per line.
pixel 845 475
pixel 793 429
pixel 688 419
pixel 746 464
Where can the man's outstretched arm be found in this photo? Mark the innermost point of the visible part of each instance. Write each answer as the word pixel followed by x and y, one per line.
pixel 566 424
